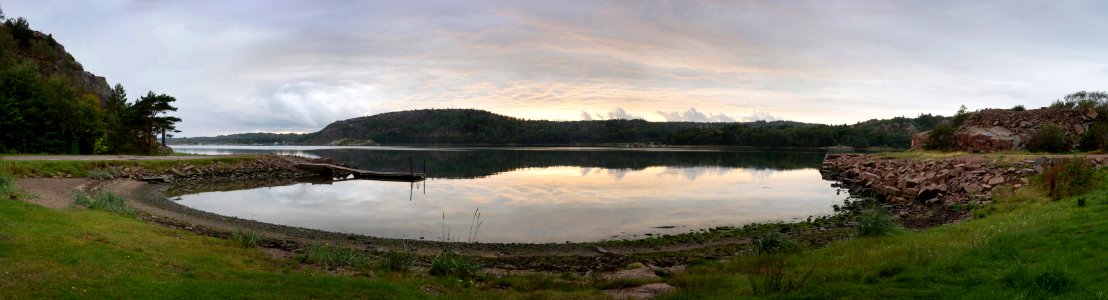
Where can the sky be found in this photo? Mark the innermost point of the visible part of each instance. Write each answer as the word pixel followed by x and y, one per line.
pixel 296 66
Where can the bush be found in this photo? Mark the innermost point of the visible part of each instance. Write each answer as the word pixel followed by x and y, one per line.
pixel 454 265
pixel 874 222
pixel 941 137
pixel 1074 177
pixel 1019 107
pixel 1096 138
pixel 105 201
pixel 775 242
pixel 1049 138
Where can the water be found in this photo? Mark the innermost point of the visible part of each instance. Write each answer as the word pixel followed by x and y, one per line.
pixel 535 195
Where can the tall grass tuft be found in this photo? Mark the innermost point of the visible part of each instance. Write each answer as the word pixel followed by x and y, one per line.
pixel 776 242
pixel 100 175
pixel 475 225
pixel 7 187
pixel 329 256
pixel 1050 281
pixel 771 275
pixel 874 222
pixel 106 201
pixel 450 264
pixel 397 260
pixel 247 239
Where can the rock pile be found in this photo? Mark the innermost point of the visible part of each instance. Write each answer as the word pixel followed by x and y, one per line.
pixel 905 181
pixel 916 186
pixel 264 167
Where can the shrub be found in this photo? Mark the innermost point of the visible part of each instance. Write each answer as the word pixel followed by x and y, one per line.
pixel 874 222
pixel 454 265
pixel 105 201
pixel 1049 138
pixel 1074 177
pixel 775 242
pixel 1096 138
pixel 941 137
pixel 1018 107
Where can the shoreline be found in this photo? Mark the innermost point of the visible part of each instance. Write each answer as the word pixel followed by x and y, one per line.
pixel 669 250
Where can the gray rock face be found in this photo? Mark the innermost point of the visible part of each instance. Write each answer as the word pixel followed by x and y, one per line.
pixel 67 67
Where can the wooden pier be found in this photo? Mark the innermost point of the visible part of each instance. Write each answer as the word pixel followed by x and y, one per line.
pixel 341 172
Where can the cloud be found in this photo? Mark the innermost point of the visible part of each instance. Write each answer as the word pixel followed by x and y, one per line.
pixel 585 116
pixel 692 115
pixel 620 114
pixel 818 61
pixel 760 116
pixel 617 113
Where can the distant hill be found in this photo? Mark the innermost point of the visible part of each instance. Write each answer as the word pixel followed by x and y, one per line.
pixel 257 138
pixel 471 126
pixel 893 133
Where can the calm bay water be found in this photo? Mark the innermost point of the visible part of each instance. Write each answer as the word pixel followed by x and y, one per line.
pixel 535 195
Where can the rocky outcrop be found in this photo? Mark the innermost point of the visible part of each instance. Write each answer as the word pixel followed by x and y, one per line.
pixel 986 139
pixel 1001 129
pixel 65 66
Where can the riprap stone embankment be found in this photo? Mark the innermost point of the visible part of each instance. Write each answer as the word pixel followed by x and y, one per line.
pixel 922 191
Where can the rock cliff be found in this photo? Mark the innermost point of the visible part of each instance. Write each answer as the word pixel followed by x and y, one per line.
pixel 64 65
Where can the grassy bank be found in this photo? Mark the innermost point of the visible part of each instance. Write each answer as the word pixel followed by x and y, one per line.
pixel 81 168
pixel 49 254
pixel 1022 246
pixel 1025 246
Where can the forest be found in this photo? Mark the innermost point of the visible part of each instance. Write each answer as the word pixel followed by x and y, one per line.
pixel 48 104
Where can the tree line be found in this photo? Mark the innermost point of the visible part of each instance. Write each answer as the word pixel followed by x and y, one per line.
pixel 53 114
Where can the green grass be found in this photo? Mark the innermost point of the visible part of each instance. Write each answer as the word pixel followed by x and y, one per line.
pixel 875 222
pixel 329 256
pixel 247 239
pixel 449 264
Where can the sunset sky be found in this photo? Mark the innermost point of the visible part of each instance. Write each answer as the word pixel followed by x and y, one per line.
pixel 295 66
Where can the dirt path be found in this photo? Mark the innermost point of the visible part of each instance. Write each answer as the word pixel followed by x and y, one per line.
pixel 53 193
pixel 108 157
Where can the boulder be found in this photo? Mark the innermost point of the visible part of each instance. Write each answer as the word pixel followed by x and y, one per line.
pixel 995 181
pixel 930 191
pixel 980 139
